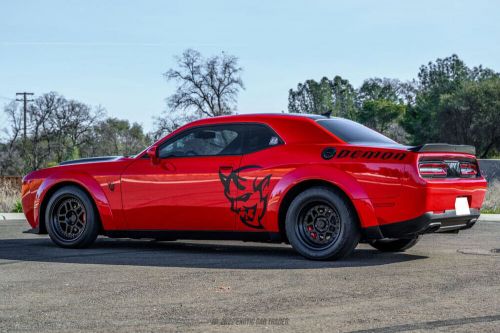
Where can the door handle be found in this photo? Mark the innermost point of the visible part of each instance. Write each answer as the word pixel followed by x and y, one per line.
pixel 167 166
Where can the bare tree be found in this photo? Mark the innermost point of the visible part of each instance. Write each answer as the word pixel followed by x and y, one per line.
pixel 56 128
pixel 207 87
pixel 10 158
pixel 39 145
pixel 15 120
pixel 170 121
pixel 70 123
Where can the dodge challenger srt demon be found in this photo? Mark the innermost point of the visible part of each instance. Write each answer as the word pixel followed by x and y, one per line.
pixel 320 184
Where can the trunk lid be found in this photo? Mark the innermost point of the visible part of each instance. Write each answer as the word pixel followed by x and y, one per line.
pixel 438 160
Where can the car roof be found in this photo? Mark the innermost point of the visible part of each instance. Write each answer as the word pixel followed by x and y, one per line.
pixel 256 117
pixel 292 127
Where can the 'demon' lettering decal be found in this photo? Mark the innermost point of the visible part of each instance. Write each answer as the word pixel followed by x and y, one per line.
pixel 248 197
pixel 368 154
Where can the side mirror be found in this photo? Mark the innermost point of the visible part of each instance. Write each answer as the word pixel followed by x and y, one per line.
pixel 152 152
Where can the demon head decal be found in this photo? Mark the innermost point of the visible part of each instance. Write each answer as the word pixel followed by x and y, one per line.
pixel 247 196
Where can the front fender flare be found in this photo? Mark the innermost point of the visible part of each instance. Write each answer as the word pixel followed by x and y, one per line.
pixel 84 180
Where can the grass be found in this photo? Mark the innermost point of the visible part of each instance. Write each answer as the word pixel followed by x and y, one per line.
pixel 10 195
pixel 490 211
pixel 18 207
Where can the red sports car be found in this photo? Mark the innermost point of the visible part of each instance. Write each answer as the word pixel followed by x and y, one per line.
pixel 321 184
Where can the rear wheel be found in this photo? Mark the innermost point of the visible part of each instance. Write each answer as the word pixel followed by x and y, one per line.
pixel 394 244
pixel 71 219
pixel 321 224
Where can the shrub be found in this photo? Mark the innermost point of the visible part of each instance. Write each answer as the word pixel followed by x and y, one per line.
pixel 18 207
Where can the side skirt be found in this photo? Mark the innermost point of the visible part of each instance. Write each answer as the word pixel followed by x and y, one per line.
pixel 272 237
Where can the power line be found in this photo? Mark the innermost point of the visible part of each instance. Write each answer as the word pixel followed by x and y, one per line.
pixel 25 101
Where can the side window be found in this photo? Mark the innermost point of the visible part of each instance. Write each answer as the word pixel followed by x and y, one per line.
pixel 205 141
pixel 260 137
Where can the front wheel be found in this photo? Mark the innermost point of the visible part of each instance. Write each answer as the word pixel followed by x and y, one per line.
pixel 71 218
pixel 394 244
pixel 321 224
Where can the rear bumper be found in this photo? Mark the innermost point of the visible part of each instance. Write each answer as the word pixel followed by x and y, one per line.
pixel 448 221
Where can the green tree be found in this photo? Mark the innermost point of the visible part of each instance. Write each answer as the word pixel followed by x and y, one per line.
pixel 379 114
pixel 311 97
pixel 382 103
pixel 381 89
pixel 435 80
pixel 336 96
pixel 114 136
pixel 471 115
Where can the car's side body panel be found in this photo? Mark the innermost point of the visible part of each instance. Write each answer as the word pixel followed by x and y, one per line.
pixel 244 193
pixel 177 194
pixel 368 184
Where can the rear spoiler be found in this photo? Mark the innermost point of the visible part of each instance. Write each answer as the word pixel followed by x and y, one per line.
pixel 443 148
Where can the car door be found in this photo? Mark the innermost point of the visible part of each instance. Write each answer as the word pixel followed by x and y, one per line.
pixel 182 190
pixel 260 169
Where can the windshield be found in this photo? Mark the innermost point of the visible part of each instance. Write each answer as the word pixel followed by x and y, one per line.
pixel 353 132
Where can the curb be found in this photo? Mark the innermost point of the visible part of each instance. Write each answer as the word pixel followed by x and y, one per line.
pixel 490 217
pixel 12 216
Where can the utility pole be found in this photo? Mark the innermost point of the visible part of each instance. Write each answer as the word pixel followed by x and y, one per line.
pixel 25 100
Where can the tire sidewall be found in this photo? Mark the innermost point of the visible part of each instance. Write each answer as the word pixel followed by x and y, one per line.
pixel 348 237
pixel 91 224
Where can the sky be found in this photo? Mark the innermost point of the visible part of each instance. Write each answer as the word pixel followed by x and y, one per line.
pixel 113 53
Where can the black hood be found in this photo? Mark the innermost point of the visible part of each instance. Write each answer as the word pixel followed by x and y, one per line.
pixel 91 160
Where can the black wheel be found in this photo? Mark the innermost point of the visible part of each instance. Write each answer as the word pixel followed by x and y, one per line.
pixel 321 224
pixel 71 219
pixel 394 244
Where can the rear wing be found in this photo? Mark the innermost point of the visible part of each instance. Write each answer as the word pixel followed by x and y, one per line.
pixel 443 148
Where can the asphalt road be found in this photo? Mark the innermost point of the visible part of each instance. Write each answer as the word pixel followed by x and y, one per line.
pixel 445 283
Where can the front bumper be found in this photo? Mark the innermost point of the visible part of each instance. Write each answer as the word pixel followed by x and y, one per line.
pixel 429 222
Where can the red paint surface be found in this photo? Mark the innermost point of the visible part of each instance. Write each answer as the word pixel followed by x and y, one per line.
pixel 186 193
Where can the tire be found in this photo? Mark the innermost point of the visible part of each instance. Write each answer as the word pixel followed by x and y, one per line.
pixel 394 244
pixel 311 213
pixel 71 218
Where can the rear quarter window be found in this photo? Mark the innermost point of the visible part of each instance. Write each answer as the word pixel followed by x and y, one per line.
pixel 258 137
pixel 353 132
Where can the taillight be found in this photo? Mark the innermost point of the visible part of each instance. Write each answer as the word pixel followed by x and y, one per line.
pixel 433 169
pixel 468 169
pixel 448 168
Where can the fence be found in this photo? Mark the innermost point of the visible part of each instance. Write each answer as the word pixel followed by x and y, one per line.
pixel 10 193
pixel 490 169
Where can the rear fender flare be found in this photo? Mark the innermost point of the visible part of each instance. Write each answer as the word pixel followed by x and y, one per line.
pixel 338 178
